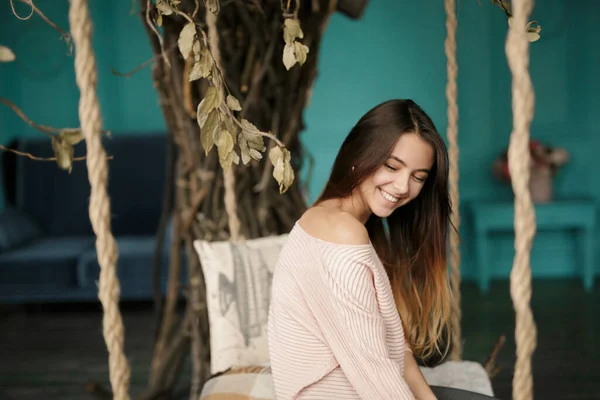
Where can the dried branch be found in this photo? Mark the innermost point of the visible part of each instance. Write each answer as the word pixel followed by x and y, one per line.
pixel 187 89
pixel 35 158
pixel 47 130
pixel 490 363
pixel 158 36
pixel 32 157
pixel 184 15
pixel 12 5
pixel 196 9
pixel 141 66
pixel 64 35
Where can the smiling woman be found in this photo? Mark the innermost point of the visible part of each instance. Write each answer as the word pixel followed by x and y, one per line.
pixel 402 178
pixel 351 300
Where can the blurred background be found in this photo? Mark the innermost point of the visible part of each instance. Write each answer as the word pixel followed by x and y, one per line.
pixel 51 341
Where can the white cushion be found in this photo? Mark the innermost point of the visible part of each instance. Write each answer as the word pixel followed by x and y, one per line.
pixel 238 289
pixel 465 375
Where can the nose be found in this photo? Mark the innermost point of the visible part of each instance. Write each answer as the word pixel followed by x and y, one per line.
pixel 400 185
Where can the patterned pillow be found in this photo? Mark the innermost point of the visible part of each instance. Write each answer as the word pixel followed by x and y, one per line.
pixel 238 292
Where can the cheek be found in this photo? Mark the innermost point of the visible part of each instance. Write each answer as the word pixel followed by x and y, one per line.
pixel 381 177
pixel 415 188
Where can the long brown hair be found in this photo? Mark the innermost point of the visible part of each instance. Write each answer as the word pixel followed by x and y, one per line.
pixel 413 247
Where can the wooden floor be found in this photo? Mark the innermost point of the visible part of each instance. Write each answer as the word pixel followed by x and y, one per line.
pixel 50 352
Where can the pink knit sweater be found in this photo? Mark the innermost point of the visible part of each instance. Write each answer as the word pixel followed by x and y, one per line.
pixel 334 331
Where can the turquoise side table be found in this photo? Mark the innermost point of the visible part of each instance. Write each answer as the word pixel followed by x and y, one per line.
pixel 578 216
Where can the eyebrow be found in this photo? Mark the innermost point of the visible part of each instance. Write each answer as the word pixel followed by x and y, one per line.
pixel 403 163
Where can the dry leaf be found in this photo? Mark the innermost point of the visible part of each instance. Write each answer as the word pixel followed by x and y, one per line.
pixel 236 158
pixel 71 137
pixel 163 7
pixel 278 171
pixel 186 39
pixel 229 125
pixel 300 51
pixel 257 155
pixel 233 103
pixel 195 73
pixel 282 171
pixel 275 154
pixel 533 30
pixel 292 30
pixel 212 99
pixel 245 150
pixel 196 50
pixel 6 54
pixel 248 126
pixel 202 67
pixel 209 129
pixel 252 136
pixel 255 141
pixel 63 152
pixel 226 161
pixel 224 142
pixel 533 36
pixel 289 58
pixel 288 178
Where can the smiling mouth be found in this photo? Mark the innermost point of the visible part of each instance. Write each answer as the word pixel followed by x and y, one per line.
pixel 389 197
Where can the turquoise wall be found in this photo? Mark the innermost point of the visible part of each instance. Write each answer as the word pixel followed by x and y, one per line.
pixel 396 50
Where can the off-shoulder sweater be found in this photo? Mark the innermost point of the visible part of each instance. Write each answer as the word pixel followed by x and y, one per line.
pixel 334 331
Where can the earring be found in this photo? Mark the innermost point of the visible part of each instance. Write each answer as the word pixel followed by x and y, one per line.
pixel 353 168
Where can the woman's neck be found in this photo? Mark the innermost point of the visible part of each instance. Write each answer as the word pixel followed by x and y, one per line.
pixel 353 205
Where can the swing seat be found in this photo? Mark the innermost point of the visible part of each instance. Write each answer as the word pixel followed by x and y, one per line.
pixel 450 380
pixel 238 286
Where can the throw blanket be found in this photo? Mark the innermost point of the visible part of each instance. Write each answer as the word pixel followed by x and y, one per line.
pixel 255 382
pixel 243 383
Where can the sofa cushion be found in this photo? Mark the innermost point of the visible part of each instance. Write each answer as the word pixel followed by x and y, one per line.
pixel 59 200
pixel 134 265
pixel 16 229
pixel 43 262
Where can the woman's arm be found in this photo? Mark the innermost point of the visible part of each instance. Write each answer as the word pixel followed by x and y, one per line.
pixel 415 379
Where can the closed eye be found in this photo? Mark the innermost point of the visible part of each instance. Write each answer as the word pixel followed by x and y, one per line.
pixel 420 179
pixel 388 166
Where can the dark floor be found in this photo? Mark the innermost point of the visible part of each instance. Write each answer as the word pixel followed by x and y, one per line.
pixel 51 352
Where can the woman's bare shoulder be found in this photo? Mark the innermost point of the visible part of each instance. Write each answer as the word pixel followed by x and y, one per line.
pixel 334 226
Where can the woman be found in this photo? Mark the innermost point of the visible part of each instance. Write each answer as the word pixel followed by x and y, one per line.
pixel 361 282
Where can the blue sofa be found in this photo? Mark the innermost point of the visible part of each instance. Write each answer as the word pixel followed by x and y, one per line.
pixel 47 245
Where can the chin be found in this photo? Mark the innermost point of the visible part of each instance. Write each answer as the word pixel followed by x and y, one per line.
pixel 385 210
pixel 383 213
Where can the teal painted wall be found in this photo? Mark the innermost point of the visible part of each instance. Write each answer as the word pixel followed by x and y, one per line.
pixel 394 51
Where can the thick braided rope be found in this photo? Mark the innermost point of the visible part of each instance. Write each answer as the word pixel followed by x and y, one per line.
pixel 99 208
pixel 228 177
pixel 517 52
pixel 452 134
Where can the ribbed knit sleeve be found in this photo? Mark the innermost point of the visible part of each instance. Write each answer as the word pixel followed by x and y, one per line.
pixel 345 304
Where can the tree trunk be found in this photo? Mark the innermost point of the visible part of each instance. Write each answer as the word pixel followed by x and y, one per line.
pixel 273 99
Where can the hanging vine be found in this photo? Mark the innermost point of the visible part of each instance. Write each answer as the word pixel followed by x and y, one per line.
pixel 218 116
